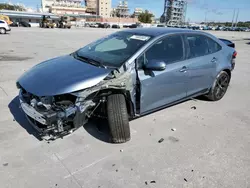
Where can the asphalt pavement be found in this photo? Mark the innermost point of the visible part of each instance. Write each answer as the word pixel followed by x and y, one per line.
pixel 193 144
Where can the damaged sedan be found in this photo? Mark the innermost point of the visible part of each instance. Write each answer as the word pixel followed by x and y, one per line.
pixel 123 76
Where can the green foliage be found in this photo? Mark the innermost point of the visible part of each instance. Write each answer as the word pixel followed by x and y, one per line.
pixel 6 6
pixel 145 17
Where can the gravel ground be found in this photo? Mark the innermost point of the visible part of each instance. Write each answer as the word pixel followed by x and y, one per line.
pixel 204 147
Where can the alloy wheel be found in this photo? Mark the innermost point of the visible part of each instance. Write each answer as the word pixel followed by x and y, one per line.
pixel 222 84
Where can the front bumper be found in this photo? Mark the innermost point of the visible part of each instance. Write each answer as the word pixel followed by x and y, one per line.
pixel 50 124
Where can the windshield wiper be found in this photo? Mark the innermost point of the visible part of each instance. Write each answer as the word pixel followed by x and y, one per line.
pixel 89 60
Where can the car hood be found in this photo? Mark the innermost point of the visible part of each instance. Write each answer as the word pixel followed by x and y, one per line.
pixel 61 75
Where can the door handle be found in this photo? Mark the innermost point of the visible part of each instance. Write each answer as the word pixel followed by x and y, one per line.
pixel 183 69
pixel 214 60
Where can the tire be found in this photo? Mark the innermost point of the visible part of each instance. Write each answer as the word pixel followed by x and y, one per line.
pixel 118 118
pixel 2 31
pixel 219 87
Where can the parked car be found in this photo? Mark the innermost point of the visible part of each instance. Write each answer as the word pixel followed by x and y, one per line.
pixel 116 26
pixel 4 27
pixel 24 24
pixel 103 25
pixel 122 76
pixel 14 24
pixel 95 25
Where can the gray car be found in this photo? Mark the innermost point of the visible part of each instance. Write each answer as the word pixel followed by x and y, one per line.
pixel 123 76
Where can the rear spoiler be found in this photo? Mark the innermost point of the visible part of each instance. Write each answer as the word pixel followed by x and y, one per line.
pixel 228 42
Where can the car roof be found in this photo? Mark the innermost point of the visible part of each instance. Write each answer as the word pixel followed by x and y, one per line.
pixel 158 31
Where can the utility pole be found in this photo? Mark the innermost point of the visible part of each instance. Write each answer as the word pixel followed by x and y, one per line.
pixel 236 21
pixel 233 19
pixel 206 17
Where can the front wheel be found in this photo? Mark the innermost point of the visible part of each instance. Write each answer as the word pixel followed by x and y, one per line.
pixel 2 31
pixel 219 87
pixel 118 118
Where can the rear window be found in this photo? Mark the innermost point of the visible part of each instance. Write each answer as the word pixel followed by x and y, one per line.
pixel 1 21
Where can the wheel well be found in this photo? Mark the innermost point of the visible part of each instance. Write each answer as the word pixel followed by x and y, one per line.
pixel 106 92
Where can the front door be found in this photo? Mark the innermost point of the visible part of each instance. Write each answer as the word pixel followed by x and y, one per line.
pixel 159 88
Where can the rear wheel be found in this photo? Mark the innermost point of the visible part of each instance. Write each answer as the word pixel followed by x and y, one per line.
pixel 219 87
pixel 118 118
pixel 2 31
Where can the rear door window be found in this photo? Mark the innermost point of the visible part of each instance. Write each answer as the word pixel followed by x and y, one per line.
pixel 198 45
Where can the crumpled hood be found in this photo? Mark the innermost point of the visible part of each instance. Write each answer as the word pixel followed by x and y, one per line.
pixel 61 75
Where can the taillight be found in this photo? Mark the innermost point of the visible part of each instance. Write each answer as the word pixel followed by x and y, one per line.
pixel 235 54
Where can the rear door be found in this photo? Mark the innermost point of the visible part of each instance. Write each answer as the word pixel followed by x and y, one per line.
pixel 201 63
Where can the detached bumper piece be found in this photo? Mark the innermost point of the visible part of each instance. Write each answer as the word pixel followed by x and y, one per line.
pixel 51 124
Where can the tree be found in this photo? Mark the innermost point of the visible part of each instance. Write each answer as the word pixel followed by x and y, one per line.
pixel 6 6
pixel 145 17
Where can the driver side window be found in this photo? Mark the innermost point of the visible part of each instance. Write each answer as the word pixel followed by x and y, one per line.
pixel 168 50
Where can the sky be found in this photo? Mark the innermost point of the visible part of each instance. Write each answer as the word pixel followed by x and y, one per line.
pixel 197 10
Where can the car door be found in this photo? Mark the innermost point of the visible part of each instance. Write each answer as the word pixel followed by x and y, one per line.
pixel 159 88
pixel 201 64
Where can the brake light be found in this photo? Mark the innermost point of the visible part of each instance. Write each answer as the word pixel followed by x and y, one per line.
pixel 235 54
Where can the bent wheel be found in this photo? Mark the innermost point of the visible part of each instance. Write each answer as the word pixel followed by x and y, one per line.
pixel 219 87
pixel 118 118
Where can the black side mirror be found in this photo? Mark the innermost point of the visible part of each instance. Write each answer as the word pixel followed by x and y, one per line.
pixel 155 65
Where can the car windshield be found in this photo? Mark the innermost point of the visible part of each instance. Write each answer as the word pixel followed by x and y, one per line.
pixel 113 50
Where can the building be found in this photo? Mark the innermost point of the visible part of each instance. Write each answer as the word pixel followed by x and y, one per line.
pixel 76 7
pixel 91 6
pixel 33 18
pixel 121 11
pixel 63 7
pixel 137 12
pixel 104 8
pixel 174 12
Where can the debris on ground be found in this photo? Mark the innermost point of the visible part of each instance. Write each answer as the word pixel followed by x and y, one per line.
pixel 161 140
pixel 113 164
pixel 185 180
pixel 56 184
pixel 121 150
pixel 193 107
pixel 146 183
pixel 173 129
pixel 116 170
pixel 149 134
pixel 173 139
pixel 192 170
pixel 131 169
pixel 5 164
pixel 153 181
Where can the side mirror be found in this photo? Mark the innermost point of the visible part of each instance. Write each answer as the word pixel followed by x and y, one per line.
pixel 155 65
